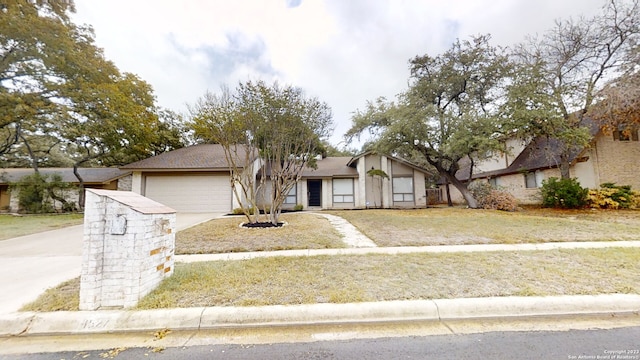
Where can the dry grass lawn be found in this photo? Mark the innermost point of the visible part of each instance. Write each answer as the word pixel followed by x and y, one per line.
pixel 302 231
pixel 351 278
pixel 451 226
pixel 14 226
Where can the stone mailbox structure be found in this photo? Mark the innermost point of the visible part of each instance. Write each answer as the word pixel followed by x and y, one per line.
pixel 128 248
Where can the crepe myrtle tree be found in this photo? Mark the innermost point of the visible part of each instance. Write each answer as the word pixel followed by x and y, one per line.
pixel 279 125
pixel 448 113
pixel 288 134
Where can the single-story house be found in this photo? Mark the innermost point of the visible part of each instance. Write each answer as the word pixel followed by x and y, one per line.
pixel 197 179
pixel 95 178
pixel 611 157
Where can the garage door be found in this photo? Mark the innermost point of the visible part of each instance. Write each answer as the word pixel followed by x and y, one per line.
pixel 191 193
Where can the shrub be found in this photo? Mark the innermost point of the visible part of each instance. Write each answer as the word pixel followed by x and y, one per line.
pixel 480 190
pixel 240 211
pixel 490 198
pixel 563 193
pixel 37 193
pixel 500 200
pixel 611 196
pixel 298 207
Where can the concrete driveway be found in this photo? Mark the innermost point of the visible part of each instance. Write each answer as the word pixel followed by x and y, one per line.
pixel 31 264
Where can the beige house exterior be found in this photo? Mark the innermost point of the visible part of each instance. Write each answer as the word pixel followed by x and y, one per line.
pixel 610 158
pixel 197 179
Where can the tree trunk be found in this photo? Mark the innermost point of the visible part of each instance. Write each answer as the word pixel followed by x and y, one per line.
pixel 462 187
pixel 565 166
pixel 80 187
pixel 449 202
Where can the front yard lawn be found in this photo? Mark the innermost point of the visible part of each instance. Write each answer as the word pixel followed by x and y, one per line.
pixel 14 226
pixel 302 231
pixel 452 226
pixel 357 278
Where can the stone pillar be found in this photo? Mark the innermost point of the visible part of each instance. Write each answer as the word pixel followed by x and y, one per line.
pixel 128 248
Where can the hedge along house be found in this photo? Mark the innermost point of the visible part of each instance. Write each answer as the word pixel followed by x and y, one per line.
pixel 197 179
pixel 94 178
pixel 611 157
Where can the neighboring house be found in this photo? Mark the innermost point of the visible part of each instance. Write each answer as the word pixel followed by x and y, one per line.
pixel 610 157
pixel 95 178
pixel 197 179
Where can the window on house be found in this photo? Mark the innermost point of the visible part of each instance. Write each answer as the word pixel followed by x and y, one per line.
pixel 291 196
pixel 402 189
pixel 493 182
pixel 343 191
pixel 530 180
pixel 621 135
pixel 625 134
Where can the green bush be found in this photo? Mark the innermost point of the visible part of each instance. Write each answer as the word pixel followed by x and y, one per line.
pixel 563 193
pixel 298 207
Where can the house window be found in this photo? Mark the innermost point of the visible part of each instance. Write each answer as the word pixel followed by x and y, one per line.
pixel 530 180
pixel 493 182
pixel 291 196
pixel 343 191
pixel 402 189
pixel 625 134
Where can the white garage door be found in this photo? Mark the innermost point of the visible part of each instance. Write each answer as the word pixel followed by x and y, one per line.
pixel 191 193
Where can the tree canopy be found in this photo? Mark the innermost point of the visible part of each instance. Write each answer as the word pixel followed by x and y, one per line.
pixel 279 123
pixel 561 72
pixel 57 91
pixel 450 111
pixel 63 103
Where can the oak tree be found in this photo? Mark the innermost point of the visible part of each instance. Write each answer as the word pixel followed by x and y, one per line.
pixel 449 113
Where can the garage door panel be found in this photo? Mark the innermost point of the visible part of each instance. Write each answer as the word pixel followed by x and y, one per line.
pixel 191 193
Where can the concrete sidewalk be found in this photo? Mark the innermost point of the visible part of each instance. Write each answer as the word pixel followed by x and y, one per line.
pixel 408 250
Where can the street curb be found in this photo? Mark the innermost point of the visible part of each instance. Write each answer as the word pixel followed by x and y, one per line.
pixel 118 321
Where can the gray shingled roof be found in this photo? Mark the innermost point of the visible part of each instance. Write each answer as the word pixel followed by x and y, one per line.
pixel 332 166
pixel 541 153
pixel 89 175
pixel 328 167
pixel 196 157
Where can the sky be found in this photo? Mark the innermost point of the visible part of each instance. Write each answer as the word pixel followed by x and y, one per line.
pixel 344 52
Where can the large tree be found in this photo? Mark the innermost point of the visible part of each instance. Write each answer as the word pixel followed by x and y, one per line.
pixel 561 72
pixel 449 113
pixel 279 123
pixel 618 105
pixel 59 94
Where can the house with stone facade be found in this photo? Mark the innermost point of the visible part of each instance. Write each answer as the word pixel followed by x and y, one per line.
pixel 197 179
pixel 611 157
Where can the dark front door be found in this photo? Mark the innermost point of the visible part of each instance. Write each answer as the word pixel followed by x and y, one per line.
pixel 314 188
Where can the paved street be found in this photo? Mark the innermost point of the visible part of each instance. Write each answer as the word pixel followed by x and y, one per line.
pixel 621 343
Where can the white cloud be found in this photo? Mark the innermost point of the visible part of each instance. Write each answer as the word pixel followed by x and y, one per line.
pixel 343 52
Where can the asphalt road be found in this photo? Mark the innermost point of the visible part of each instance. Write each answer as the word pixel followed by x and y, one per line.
pixel 619 343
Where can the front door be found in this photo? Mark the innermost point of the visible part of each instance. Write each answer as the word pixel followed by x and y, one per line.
pixel 314 188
